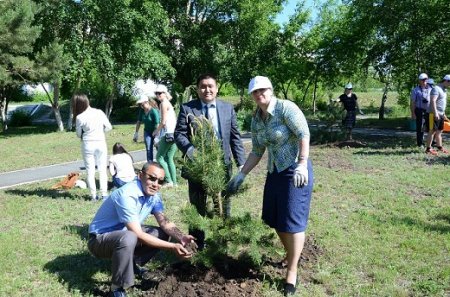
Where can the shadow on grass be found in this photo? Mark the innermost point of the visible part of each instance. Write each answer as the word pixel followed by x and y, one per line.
pixel 441 224
pixel 439 160
pixel 38 129
pixel 48 193
pixel 77 270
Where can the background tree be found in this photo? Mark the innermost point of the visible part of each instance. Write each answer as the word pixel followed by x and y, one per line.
pixel 17 36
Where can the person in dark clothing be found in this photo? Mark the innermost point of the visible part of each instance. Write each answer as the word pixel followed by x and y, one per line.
pixel 350 103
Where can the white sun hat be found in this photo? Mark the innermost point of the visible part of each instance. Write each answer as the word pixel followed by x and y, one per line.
pixel 423 76
pixel 259 82
pixel 161 89
pixel 349 86
pixel 142 99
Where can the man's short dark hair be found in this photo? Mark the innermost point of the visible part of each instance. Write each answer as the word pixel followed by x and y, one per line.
pixel 148 164
pixel 205 76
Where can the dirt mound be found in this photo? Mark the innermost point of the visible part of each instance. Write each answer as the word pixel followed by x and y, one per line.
pixel 228 278
pixel 350 144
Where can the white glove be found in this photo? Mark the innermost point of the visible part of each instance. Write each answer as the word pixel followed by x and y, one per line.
pixel 300 176
pixel 235 182
pixel 136 136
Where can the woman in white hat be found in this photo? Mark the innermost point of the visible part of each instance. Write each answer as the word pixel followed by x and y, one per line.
pixel 280 127
pixel 167 147
pixel 150 117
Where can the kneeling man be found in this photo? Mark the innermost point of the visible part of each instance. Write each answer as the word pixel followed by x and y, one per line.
pixel 116 231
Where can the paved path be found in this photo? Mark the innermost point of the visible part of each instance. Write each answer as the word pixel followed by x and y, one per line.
pixel 31 175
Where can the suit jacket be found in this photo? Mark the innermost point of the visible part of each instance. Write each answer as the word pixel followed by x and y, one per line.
pixel 231 137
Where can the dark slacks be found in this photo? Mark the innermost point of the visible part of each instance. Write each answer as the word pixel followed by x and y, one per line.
pixel 421 115
pixel 124 249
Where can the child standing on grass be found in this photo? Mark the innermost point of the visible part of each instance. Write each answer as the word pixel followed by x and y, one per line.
pixel 121 166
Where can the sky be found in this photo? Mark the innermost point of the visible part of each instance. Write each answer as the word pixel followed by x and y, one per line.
pixel 289 9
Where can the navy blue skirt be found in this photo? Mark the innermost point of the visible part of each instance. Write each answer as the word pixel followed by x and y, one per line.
pixel 285 207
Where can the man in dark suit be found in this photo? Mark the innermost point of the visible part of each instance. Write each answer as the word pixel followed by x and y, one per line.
pixel 223 118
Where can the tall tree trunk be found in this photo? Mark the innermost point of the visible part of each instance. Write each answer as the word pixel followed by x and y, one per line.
pixel 54 104
pixel 3 109
pixel 241 96
pixel 383 102
pixel 70 120
pixel 55 107
pixel 306 91
pixel 314 95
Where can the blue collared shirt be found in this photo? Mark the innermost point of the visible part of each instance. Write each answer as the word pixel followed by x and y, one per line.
pixel 124 205
pixel 421 97
pixel 280 133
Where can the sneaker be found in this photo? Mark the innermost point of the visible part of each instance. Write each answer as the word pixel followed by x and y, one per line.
pixel 120 292
pixel 443 150
pixel 431 152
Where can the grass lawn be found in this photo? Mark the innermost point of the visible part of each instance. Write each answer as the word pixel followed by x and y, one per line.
pixel 380 214
pixel 42 145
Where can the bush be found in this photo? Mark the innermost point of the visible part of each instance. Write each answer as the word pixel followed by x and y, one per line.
pixel 244 119
pixel 20 118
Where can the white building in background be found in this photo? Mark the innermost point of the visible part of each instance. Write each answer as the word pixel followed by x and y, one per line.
pixel 31 90
pixel 144 87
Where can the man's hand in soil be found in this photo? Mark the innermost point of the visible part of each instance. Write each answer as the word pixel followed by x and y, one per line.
pixel 181 252
pixel 188 241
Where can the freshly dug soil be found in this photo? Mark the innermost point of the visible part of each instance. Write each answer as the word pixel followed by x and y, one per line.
pixel 229 278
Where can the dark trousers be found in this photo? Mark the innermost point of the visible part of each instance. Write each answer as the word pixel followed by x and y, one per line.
pixel 421 114
pixel 124 249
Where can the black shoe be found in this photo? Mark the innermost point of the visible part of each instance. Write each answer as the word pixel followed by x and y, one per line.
pixel 120 292
pixel 289 289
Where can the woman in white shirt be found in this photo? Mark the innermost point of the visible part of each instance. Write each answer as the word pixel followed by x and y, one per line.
pixel 167 147
pixel 91 125
pixel 121 166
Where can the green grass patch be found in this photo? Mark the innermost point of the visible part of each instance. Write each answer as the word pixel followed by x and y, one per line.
pixel 43 145
pixel 380 214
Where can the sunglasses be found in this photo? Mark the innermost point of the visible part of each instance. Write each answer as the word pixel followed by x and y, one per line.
pixel 158 93
pixel 154 179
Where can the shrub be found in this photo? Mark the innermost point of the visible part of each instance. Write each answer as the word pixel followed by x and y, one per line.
pixel 244 119
pixel 20 118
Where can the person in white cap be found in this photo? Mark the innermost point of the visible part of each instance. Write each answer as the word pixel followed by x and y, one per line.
pixel 91 125
pixel 436 118
pixel 150 117
pixel 165 130
pixel 223 118
pixel 280 127
pixel 350 103
pixel 419 104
